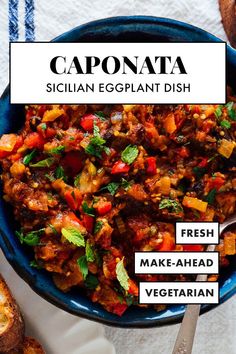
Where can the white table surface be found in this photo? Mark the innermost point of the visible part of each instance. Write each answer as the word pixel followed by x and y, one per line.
pixel 216 331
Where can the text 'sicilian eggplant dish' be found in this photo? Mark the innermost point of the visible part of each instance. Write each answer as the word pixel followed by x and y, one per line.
pixel 90 185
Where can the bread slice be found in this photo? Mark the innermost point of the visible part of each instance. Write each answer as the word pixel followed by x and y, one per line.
pixel 31 346
pixel 228 14
pixel 11 321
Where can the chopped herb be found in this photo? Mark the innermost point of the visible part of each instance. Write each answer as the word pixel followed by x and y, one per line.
pixel 180 138
pixel 91 282
pixel 76 181
pixel 34 264
pixel 112 187
pixel 57 150
pixel 73 236
pixel 231 110
pixel 88 210
pixel 49 177
pixel 218 111
pixel 225 124
pixel 212 158
pixel 60 173
pixel 129 154
pixel 96 131
pixel 96 147
pixel 43 126
pixel 171 204
pixel 44 163
pixel 196 214
pixel 89 252
pixel 83 265
pixel 125 184
pixel 129 299
pixel 32 238
pixel 122 275
pixel 210 198
pixel 53 229
pixel 199 171
pixel 100 115
pixel 71 138
pixel 98 226
pixel 27 159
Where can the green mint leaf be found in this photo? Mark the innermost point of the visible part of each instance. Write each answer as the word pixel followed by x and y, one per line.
pixel 88 210
pixel 76 181
pixel 34 264
pixel 210 198
pixel 32 238
pixel 129 154
pixel 112 187
pixel 100 115
pixel 27 158
pixel 218 112
pixel 83 265
pixel 73 236
pixel 171 204
pixel 122 275
pixel 91 281
pixel 98 226
pixel 43 126
pixel 44 163
pixel 199 171
pixel 57 150
pixel 225 124
pixel 60 173
pixel 125 184
pixel 89 252
pixel 53 229
pixel 50 177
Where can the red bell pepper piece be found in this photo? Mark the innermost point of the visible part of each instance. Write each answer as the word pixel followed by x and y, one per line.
pixel 120 167
pixel 119 309
pixel 216 182
pixel 34 140
pixel 73 198
pixel 204 162
pixel 88 222
pixel 133 288
pixel 87 122
pixel 184 152
pixel 103 207
pixel 193 248
pixel 151 165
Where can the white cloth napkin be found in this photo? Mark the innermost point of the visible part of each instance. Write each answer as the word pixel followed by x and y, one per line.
pixel 45 19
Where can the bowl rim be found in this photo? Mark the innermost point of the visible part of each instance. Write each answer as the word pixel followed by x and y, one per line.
pixel 37 287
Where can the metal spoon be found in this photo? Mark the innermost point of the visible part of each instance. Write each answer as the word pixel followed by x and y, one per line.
pixel 185 337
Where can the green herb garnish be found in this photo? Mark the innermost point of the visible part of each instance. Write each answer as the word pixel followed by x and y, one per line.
pixel 231 110
pixel 73 236
pixel 122 274
pixel 43 126
pixel 83 265
pixel 218 111
pixel 171 204
pixel 91 282
pixel 199 171
pixel 129 154
pixel 112 187
pixel 57 150
pixel 98 226
pixel 210 198
pixel 100 115
pixel 60 173
pixel 89 252
pixel 88 210
pixel 34 264
pixel 50 177
pixel 44 163
pixel 53 229
pixel 225 124
pixel 32 238
pixel 76 181
pixel 27 158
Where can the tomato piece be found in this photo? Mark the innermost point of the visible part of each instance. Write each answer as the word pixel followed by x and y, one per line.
pixel 184 152
pixel 133 288
pixel 42 109
pixel 167 244
pixel 73 198
pixel 50 132
pixel 216 182
pixel 34 140
pixel 151 165
pixel 87 122
pixel 119 309
pixel 73 161
pixel 193 248
pixel 88 222
pixel 103 207
pixel 120 167
pixel 73 217
pixel 204 162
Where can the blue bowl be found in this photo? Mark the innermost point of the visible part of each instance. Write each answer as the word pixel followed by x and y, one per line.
pixel 119 29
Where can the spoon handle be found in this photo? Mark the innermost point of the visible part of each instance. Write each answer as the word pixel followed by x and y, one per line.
pixel 184 340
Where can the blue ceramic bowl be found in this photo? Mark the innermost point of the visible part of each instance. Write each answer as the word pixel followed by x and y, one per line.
pixel 119 29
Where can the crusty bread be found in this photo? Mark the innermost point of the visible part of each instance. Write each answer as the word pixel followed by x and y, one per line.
pixel 11 321
pixel 31 346
pixel 228 13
